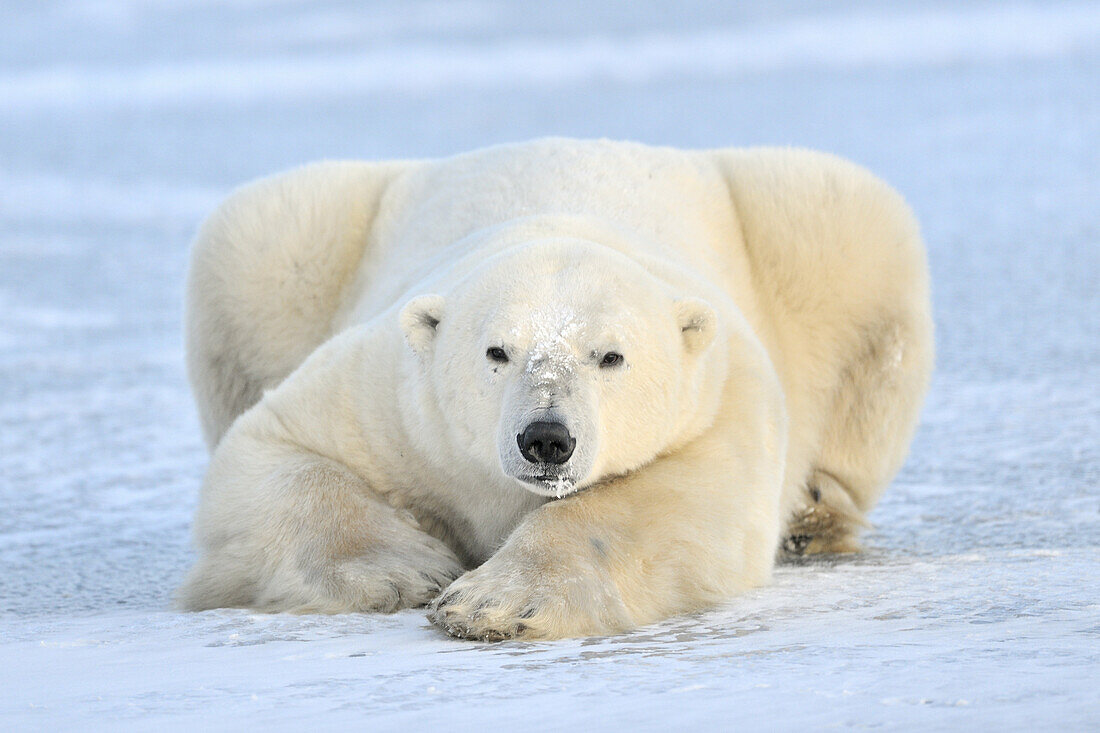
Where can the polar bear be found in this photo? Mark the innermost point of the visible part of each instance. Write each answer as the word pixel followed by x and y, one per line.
pixel 552 389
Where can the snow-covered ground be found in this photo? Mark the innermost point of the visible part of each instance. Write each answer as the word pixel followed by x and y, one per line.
pixel 122 122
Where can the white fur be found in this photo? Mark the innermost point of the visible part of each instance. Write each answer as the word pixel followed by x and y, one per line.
pixel 772 311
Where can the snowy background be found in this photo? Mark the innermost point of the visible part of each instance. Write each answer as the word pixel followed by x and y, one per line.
pixel 122 123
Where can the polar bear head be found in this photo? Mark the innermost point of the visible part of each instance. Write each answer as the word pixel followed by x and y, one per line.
pixel 560 363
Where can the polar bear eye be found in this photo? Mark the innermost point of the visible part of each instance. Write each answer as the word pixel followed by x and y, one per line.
pixel 497 354
pixel 611 359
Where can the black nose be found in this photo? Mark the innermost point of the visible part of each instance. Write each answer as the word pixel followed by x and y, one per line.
pixel 546 442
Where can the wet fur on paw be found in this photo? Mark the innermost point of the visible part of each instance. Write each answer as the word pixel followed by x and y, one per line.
pixel 828 522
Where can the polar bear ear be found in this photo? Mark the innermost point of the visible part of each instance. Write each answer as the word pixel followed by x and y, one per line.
pixel 419 319
pixel 696 320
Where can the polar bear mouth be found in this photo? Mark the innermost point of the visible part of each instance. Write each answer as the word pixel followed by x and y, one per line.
pixel 550 484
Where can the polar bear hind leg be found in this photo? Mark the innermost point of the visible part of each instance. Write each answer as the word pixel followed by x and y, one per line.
pixel 867 436
pixel 839 265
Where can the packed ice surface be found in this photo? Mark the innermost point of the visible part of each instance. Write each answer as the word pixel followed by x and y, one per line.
pixel 977 602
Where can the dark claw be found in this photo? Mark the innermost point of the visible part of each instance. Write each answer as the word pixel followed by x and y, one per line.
pixel 796 544
pixel 396 590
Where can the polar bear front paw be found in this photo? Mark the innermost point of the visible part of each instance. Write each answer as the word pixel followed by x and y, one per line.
pixel 506 599
pixel 382 584
pixel 385 579
pixel 380 578
pixel 476 607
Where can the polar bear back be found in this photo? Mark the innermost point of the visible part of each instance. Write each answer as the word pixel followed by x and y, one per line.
pixel 656 201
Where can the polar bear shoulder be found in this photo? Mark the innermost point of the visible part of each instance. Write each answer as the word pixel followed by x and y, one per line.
pixel 266 275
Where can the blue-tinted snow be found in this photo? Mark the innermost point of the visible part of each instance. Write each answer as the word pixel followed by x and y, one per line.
pixel 977 602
